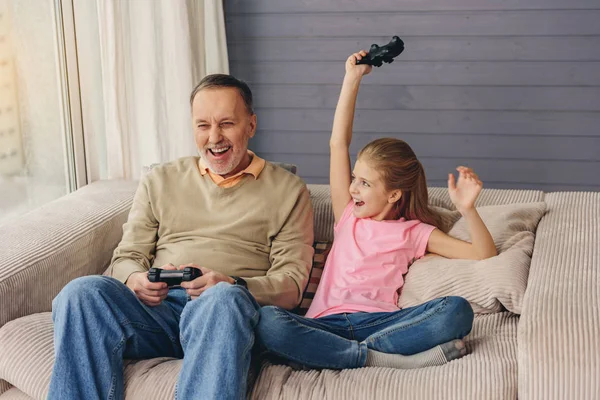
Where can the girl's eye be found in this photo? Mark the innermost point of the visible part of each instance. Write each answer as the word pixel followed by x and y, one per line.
pixel 365 184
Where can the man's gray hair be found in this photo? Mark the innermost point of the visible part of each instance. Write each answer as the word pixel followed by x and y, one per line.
pixel 225 81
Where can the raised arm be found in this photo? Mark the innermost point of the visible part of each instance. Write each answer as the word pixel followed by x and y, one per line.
pixel 341 134
pixel 463 194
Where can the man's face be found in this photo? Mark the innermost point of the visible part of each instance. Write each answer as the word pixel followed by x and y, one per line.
pixel 222 128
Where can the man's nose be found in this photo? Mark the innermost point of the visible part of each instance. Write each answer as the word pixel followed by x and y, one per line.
pixel 215 135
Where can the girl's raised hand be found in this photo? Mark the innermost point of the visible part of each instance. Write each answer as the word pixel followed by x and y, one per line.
pixel 354 70
pixel 464 192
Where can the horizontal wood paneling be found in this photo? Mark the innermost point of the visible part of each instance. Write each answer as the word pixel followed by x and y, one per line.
pixel 544 148
pixel 421 48
pixel 492 170
pixel 472 23
pixel 509 87
pixel 525 73
pixel 362 6
pixel 410 97
pixel 449 122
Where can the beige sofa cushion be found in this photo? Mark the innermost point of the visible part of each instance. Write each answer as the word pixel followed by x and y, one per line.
pixel 4 386
pixel 490 285
pixel 15 394
pixel 489 371
pixel 27 355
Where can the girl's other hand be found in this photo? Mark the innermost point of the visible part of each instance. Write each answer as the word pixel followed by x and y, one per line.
pixel 464 192
pixel 357 71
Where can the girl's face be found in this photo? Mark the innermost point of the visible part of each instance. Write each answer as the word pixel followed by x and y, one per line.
pixel 371 199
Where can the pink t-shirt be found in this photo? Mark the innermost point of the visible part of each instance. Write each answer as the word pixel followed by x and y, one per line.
pixel 366 264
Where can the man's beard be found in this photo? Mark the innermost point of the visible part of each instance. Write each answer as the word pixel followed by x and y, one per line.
pixel 218 168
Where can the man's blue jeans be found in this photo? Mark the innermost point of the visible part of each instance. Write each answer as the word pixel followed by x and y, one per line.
pixel 98 321
pixel 341 341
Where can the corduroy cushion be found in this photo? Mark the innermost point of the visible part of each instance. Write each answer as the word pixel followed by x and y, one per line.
pixel 490 285
pixel 489 371
pixel 27 357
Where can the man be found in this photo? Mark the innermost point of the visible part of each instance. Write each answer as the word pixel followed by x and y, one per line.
pixel 245 223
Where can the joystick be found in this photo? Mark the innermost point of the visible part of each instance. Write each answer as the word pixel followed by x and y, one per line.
pixel 173 278
pixel 378 55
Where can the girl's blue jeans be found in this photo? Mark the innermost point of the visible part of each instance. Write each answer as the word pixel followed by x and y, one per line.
pixel 341 341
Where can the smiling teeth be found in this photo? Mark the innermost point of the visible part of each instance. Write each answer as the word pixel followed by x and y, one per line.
pixel 219 150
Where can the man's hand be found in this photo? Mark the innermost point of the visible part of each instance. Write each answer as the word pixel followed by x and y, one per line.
pixel 149 293
pixel 208 279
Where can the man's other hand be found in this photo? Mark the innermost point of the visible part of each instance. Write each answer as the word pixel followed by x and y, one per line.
pixel 149 293
pixel 208 279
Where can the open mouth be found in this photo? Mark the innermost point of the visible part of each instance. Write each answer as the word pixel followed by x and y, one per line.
pixel 219 152
pixel 358 203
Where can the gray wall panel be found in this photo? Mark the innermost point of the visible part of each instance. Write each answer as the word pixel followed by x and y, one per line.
pixel 526 73
pixel 422 48
pixel 444 121
pixel 410 97
pixel 519 147
pixel 472 23
pixel 361 6
pixel 511 88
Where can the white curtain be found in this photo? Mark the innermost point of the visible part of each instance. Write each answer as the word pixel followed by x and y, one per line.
pixel 152 53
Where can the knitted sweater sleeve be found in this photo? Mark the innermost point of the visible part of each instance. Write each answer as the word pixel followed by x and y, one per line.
pixel 136 250
pixel 291 258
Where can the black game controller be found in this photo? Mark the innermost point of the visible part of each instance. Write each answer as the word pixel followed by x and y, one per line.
pixel 173 277
pixel 378 55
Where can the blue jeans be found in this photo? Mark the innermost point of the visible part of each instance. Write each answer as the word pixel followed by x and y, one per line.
pixel 341 341
pixel 98 321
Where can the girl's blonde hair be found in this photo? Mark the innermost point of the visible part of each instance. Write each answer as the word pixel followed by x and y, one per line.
pixel 400 169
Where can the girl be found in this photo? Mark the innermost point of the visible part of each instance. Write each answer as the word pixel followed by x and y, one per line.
pixel 382 224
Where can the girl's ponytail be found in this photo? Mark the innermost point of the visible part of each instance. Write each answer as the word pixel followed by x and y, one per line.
pixel 419 202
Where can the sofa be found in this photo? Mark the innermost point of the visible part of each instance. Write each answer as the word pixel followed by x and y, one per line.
pixel 536 333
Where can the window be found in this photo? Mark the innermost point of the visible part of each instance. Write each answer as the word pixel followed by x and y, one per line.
pixel 36 144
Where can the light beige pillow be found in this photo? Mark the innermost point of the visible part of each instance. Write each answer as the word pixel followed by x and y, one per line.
pixel 490 285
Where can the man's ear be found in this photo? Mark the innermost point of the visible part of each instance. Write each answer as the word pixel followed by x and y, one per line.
pixel 252 125
pixel 395 196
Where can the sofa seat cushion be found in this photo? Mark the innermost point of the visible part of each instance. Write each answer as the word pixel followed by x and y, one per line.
pixel 14 394
pixel 489 371
pixel 27 357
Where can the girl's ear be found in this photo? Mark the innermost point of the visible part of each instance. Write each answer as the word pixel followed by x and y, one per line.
pixel 395 196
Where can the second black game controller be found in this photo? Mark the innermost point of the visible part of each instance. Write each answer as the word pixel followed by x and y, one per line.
pixel 377 55
pixel 173 277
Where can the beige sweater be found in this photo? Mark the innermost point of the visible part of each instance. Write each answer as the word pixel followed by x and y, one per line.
pixel 261 229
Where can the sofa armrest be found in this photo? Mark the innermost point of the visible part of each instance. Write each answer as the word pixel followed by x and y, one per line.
pixel 73 236
pixel 559 349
